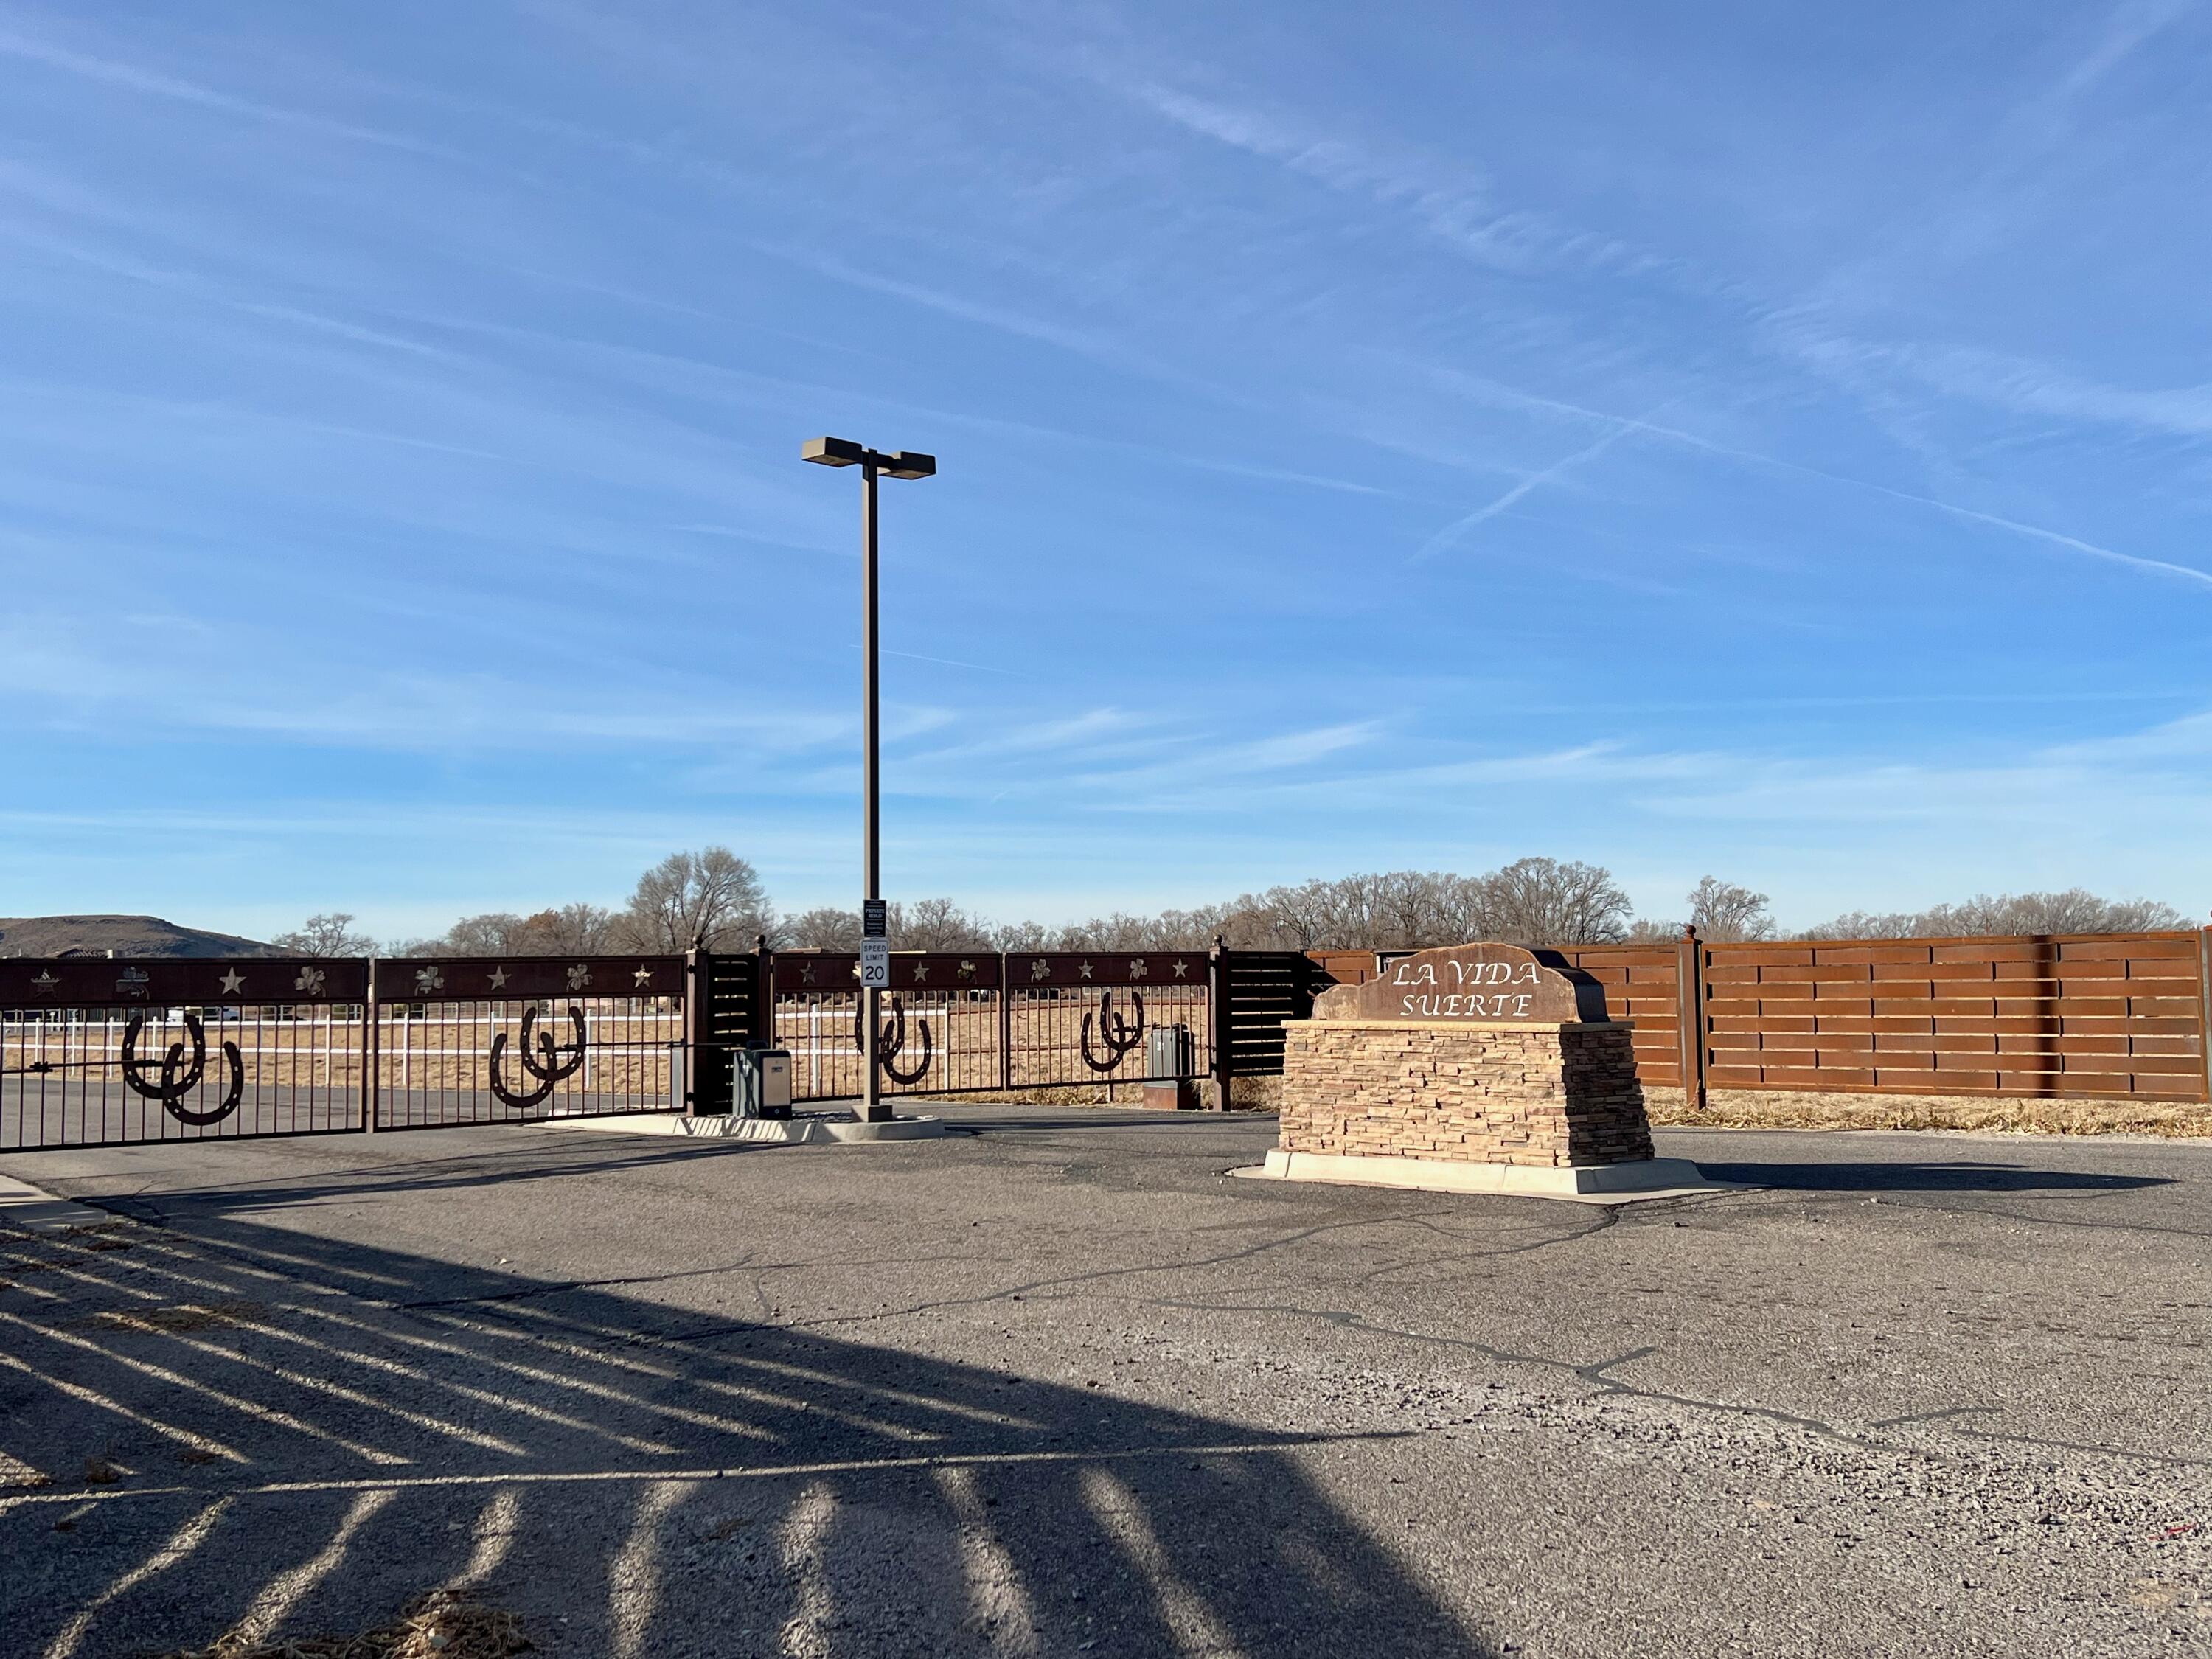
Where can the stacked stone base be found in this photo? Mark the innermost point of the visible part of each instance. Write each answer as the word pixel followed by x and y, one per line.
pixel 1549 1097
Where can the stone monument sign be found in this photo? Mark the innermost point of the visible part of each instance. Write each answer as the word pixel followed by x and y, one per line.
pixel 1471 983
pixel 1474 1067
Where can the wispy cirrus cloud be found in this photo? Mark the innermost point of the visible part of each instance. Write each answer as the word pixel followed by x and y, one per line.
pixel 151 83
pixel 1451 200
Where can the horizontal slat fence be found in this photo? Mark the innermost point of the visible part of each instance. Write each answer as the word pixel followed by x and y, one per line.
pixel 1262 990
pixel 2080 1017
pixel 1644 983
pixel 2088 1017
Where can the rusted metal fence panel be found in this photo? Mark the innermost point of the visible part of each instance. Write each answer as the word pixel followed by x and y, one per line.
pixel 464 1039
pixel 940 1031
pixel 97 1051
pixel 2102 1016
pixel 974 1021
pixel 1085 1017
pixel 1642 983
pixel 2082 1017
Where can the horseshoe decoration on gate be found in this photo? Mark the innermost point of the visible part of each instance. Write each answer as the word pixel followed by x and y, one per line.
pixel 1119 1034
pixel 177 1079
pixel 891 1043
pixel 548 1065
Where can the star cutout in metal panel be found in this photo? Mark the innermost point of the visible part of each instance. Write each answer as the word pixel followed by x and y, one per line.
pixel 921 973
pixel 1182 968
pixel 643 975
pixel 498 976
pixel 233 982
pixel 1084 969
pixel 806 973
pixel 45 980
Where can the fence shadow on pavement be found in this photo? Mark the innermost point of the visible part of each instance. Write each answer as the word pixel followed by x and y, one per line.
pixel 256 1431
pixel 484 1156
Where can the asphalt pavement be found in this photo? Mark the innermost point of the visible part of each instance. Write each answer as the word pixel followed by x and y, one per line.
pixel 1059 1384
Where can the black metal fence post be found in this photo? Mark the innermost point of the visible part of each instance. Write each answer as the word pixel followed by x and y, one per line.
pixel 1005 1024
pixel 371 1052
pixel 698 995
pixel 764 1034
pixel 1217 995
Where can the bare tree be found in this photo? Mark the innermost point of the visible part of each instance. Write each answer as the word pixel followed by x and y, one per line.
pixel 825 928
pixel 573 930
pixel 934 924
pixel 2076 910
pixel 1722 910
pixel 489 935
pixel 1543 901
pixel 330 935
pixel 711 898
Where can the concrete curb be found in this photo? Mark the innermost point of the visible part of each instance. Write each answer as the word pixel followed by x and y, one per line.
pixel 808 1130
pixel 41 1212
pixel 1602 1183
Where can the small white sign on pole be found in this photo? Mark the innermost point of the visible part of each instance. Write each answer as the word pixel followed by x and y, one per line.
pixel 875 964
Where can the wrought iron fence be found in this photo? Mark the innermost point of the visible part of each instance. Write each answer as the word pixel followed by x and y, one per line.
pixel 481 1040
pixel 1087 1017
pixel 958 1022
pixel 942 1027
pixel 100 1052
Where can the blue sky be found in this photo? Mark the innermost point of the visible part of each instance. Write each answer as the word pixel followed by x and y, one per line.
pixel 1747 441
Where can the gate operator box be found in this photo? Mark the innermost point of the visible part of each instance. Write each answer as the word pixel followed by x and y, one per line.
pixel 760 1083
pixel 1168 1053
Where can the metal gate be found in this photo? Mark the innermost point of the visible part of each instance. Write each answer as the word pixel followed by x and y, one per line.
pixel 98 1052
pixel 974 1021
pixel 95 1051
pixel 463 1040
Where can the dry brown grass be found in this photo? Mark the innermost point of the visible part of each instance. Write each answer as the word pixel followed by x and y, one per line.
pixel 1774 1108
pixel 442 1626
pixel 1779 1108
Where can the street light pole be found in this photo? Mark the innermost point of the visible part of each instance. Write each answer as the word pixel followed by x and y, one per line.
pixel 871 1092
pixel 905 464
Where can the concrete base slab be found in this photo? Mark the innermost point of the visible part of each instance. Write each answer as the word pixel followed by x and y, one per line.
pixel 898 1129
pixel 802 1129
pixel 38 1212
pixel 1600 1183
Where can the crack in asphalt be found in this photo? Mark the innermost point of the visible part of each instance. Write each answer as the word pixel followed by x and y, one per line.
pixel 1605 1219
pixel 1605 1385
pixel 2174 1459
pixel 1594 1374
pixel 1053 1282
pixel 2050 1220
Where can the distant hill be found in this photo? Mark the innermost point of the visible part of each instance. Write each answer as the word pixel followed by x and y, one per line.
pixel 125 936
